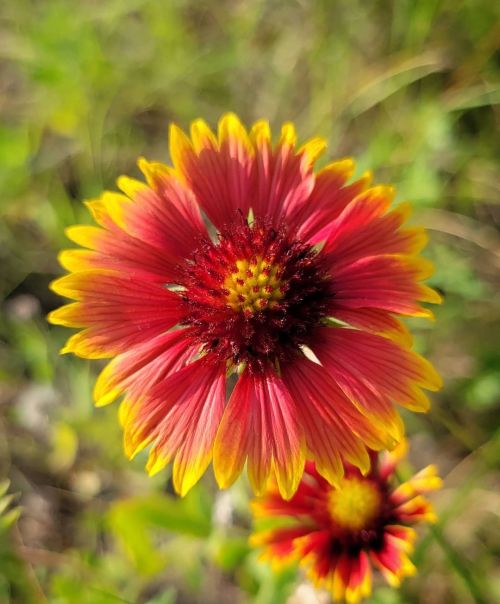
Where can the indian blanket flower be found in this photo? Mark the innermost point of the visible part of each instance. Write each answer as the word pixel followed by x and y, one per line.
pixel 338 533
pixel 241 264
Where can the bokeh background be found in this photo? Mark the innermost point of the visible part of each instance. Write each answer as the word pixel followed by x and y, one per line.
pixel 410 89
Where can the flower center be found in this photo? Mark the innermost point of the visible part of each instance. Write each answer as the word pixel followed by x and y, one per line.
pixel 354 504
pixel 253 285
pixel 255 296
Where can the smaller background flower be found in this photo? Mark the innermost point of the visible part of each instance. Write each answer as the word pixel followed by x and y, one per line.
pixel 341 534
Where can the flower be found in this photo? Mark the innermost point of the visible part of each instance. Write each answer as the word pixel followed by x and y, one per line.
pixel 339 532
pixel 241 264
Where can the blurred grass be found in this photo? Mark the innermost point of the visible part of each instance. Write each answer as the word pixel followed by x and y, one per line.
pixel 411 89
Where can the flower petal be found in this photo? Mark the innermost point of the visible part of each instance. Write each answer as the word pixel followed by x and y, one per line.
pixel 306 502
pixel 145 234
pixel 115 250
pixel 180 416
pixel 393 562
pixel 335 430
pixel 260 423
pixel 341 577
pixel 416 509
pixel 284 176
pixel 376 321
pixel 388 282
pixel 278 544
pixel 217 170
pixel 389 460
pixel 119 311
pixel 143 366
pixel 359 585
pixel 365 228
pixel 166 215
pixel 374 372
pixel 424 481
pixel 328 198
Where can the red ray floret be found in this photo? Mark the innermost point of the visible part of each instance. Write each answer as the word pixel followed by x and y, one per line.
pixel 241 260
pixel 338 533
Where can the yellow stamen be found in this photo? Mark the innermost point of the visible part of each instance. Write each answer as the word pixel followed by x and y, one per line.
pixel 354 504
pixel 253 285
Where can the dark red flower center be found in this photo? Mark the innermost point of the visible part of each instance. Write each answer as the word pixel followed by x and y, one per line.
pixel 255 296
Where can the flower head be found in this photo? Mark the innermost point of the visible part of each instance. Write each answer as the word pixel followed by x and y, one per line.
pixel 338 533
pixel 240 261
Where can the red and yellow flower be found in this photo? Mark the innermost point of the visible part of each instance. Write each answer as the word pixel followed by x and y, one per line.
pixel 339 533
pixel 241 262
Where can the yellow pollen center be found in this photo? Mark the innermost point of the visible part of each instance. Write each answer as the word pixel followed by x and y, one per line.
pixel 354 504
pixel 253 285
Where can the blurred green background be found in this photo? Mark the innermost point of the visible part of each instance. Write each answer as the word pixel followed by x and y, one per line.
pixel 410 89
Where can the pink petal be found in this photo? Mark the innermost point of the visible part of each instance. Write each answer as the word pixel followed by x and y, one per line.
pixel 374 372
pixel 180 416
pixel 118 311
pixel 218 170
pixel 284 177
pixel 116 250
pixel 388 282
pixel 365 229
pixel 166 216
pixel 145 365
pixel 335 430
pixel 147 234
pixel 328 198
pixel 376 321
pixel 260 423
